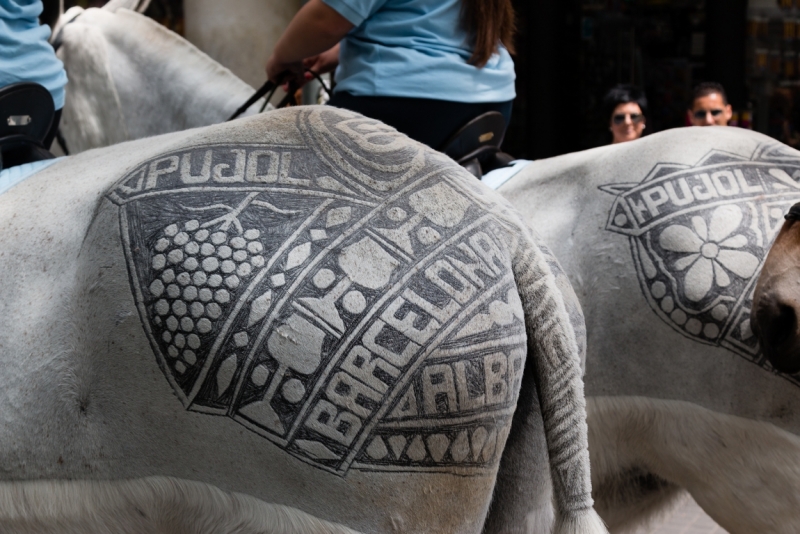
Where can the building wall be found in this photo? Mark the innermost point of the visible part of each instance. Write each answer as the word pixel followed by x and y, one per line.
pixel 239 34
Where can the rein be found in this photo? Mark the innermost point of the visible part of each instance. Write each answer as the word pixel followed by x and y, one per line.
pixel 270 87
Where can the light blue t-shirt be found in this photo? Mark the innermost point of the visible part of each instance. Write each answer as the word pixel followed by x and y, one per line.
pixel 13 175
pixel 416 49
pixel 25 54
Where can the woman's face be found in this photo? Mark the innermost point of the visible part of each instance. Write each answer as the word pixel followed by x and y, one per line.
pixel 627 122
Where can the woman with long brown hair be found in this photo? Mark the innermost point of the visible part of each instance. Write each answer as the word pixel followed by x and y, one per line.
pixel 425 67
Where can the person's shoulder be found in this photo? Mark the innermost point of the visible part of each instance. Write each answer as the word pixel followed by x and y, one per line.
pixel 355 11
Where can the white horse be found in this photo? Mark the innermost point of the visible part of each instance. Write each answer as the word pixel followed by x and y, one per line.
pixel 106 105
pixel 305 307
pixel 670 406
pixel 663 240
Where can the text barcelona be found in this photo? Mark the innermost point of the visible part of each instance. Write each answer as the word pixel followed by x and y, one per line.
pixel 369 334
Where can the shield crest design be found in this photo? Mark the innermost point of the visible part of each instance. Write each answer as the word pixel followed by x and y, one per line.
pixel 699 236
pixel 354 314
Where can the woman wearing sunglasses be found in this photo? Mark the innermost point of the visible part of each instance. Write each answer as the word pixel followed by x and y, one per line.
pixel 627 107
pixel 425 67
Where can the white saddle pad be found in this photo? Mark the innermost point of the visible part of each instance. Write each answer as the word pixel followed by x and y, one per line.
pixel 498 177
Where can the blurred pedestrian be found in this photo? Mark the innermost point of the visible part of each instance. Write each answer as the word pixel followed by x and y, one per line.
pixel 626 105
pixel 709 106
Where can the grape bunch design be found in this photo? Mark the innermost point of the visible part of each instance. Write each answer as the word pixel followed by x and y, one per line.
pixel 196 272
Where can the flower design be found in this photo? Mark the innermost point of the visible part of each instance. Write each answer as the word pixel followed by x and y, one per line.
pixel 711 251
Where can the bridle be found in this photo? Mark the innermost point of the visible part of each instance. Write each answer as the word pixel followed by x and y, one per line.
pixel 270 87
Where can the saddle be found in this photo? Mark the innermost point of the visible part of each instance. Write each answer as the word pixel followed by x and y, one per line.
pixel 27 112
pixel 476 145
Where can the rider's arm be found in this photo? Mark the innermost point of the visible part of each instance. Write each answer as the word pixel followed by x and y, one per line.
pixel 315 29
pixel 324 62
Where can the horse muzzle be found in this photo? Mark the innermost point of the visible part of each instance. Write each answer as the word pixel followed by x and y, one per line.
pixel 774 321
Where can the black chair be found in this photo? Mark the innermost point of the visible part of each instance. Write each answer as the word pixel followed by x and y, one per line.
pixel 26 116
pixel 476 145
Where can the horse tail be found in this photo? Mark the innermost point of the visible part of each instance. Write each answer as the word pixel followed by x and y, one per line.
pixel 554 351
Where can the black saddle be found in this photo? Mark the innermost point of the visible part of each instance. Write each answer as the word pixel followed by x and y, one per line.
pixel 26 115
pixel 476 145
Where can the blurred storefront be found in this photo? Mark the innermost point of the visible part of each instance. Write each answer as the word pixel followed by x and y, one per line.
pixel 773 67
pixel 571 52
pixel 662 46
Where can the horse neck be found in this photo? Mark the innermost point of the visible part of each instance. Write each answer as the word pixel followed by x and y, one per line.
pixel 165 83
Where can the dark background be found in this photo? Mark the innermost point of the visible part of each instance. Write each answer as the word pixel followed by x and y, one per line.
pixel 570 52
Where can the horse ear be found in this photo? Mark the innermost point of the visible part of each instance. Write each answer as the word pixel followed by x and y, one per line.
pixel 133 5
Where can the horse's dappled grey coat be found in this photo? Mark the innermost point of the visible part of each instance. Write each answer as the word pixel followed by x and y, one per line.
pixel 305 307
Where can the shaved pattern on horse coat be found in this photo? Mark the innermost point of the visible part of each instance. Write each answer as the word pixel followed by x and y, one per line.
pixel 182 361
pixel 636 347
pixel 663 239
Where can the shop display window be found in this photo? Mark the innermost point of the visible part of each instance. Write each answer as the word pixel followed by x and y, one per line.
pixel 773 67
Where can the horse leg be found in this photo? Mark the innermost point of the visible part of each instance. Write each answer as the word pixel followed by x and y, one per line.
pixel 159 505
pixel 745 474
pixel 626 495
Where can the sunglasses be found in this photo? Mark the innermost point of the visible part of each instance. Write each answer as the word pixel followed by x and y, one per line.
pixel 620 118
pixel 700 115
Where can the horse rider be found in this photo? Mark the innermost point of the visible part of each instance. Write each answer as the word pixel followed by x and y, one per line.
pixel 27 56
pixel 425 67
